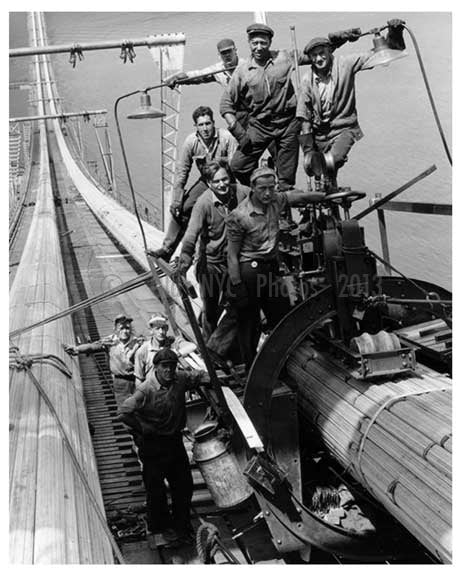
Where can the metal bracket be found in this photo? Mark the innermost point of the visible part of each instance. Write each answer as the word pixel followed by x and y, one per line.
pixel 373 364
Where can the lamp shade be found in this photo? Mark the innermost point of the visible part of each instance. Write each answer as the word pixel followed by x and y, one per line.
pixel 382 54
pixel 145 109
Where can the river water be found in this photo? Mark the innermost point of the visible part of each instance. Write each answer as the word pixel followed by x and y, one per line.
pixel 401 139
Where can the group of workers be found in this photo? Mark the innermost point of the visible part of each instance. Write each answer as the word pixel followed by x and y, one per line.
pixel 234 208
pixel 229 222
pixel 150 395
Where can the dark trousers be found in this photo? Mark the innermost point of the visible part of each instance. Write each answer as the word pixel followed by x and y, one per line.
pixel 285 148
pixel 338 146
pixel 211 284
pixel 266 292
pixel 177 228
pixel 163 459
pixel 213 287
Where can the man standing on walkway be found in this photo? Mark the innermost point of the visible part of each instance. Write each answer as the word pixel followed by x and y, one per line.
pixel 157 412
pixel 221 72
pixel 144 360
pixel 326 100
pixel 252 255
pixel 121 346
pixel 262 87
pixel 205 144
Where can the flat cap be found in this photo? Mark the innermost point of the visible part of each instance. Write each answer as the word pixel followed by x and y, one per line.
pixel 263 171
pixel 258 28
pixel 225 44
pixel 165 356
pixel 122 319
pixel 158 320
pixel 315 42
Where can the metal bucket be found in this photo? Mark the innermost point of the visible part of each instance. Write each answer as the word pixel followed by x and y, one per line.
pixel 219 467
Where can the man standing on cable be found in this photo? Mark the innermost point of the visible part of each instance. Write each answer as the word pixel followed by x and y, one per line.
pixel 205 144
pixel 262 87
pixel 326 100
pixel 252 256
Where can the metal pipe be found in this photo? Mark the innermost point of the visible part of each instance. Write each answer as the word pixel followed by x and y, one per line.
pixel 157 40
pixel 57 116
pixel 393 194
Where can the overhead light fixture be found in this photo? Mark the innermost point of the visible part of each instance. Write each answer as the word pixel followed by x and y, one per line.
pixel 382 54
pixel 145 109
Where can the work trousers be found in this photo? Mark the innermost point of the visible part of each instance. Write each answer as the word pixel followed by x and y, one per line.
pixel 267 292
pixel 219 330
pixel 165 458
pixel 285 148
pixel 177 228
pixel 338 146
pixel 123 387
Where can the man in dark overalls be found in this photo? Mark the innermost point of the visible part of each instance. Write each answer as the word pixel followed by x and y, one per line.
pixel 262 88
pixel 156 412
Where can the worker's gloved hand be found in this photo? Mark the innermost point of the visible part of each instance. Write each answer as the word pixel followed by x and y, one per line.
pixel 307 142
pixel 238 296
pixel 241 135
pixel 339 38
pixel 184 263
pixel 176 209
pixel 395 34
pixel 176 79
pixel 71 349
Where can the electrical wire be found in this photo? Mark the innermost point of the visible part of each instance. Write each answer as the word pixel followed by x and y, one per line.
pixel 429 93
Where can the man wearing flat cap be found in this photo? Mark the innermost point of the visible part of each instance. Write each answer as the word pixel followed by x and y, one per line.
pixel 252 257
pixel 262 87
pixel 159 338
pixel 121 346
pixel 221 72
pixel 326 100
pixel 157 412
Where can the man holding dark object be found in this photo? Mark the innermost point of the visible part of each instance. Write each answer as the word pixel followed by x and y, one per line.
pixel 326 100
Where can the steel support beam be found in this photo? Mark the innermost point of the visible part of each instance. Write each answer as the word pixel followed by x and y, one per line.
pixel 157 40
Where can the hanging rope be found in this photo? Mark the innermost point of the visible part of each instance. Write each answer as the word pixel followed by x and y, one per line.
pixel 127 51
pixel 75 52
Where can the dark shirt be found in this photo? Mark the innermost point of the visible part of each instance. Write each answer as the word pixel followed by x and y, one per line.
pixel 266 92
pixel 144 359
pixel 208 220
pixel 256 230
pixel 161 410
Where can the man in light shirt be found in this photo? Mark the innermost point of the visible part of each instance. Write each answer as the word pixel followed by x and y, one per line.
pixel 221 72
pixel 326 100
